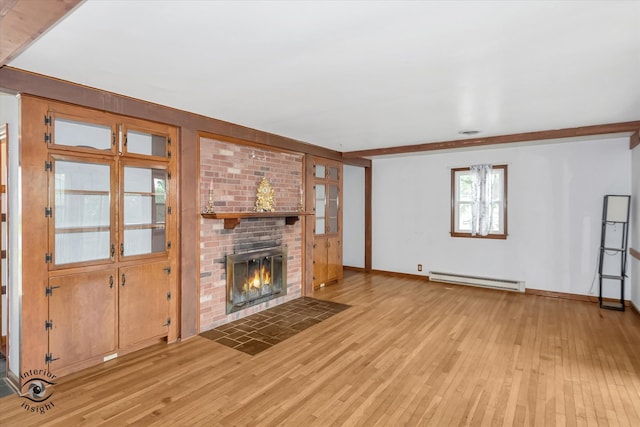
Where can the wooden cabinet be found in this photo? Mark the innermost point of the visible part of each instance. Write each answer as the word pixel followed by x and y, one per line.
pixel 144 303
pixel 105 244
pixel 82 317
pixel 327 232
pixel 327 260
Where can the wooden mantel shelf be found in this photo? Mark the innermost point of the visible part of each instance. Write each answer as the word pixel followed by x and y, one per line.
pixel 231 219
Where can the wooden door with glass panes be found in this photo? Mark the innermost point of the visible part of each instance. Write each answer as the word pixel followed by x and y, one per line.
pixel 112 234
pixel 327 241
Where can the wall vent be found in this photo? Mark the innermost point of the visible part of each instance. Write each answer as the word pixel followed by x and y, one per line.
pixel 487 282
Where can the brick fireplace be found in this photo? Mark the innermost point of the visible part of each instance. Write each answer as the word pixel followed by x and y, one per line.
pixel 233 172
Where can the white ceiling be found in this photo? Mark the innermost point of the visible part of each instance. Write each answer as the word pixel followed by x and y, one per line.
pixel 352 75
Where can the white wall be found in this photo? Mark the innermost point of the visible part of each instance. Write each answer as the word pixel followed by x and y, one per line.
pixel 555 195
pixel 353 216
pixel 9 113
pixel 634 237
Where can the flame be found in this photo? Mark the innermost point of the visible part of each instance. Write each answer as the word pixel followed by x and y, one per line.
pixel 260 277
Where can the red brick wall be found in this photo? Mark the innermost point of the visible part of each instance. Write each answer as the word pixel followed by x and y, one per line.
pixel 234 172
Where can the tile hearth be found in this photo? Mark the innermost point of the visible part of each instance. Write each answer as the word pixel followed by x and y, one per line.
pixel 260 331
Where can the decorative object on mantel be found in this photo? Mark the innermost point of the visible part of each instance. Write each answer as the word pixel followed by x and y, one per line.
pixel 209 208
pixel 265 197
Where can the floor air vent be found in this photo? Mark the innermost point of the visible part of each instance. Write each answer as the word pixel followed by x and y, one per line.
pixel 487 282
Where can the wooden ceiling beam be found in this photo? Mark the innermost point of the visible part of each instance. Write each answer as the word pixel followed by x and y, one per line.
pixel 23 21
pixel 634 140
pixel 501 139
pixel 19 81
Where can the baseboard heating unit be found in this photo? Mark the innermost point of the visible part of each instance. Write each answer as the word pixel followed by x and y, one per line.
pixel 487 282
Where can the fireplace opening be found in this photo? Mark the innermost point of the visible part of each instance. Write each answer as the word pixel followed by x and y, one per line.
pixel 255 277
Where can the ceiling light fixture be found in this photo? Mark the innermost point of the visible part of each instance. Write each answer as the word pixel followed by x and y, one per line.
pixel 469 132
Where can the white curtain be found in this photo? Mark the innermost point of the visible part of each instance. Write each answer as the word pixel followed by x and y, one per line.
pixel 481 207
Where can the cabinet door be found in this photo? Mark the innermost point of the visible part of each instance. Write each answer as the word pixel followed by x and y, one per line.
pixel 144 207
pixel 82 312
pixel 143 302
pixel 334 259
pixel 83 211
pixel 320 266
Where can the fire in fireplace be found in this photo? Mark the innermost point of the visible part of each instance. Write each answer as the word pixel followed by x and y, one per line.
pixel 255 277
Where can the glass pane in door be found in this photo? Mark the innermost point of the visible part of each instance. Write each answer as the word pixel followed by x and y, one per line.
pixel 332 203
pixel 144 210
pixel 82 211
pixel 82 134
pixel 146 143
pixel 334 173
pixel 320 171
pixel 320 206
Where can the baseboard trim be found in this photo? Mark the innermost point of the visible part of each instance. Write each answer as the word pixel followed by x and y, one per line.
pixel 634 308
pixel 357 269
pixel 574 297
pixel 535 292
pixel 402 275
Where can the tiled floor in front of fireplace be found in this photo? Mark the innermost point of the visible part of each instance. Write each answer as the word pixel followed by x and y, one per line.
pixel 260 331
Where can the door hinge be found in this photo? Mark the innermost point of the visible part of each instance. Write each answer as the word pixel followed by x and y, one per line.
pixel 48 258
pixel 169 153
pixel 47 138
pixel 49 290
pixel 113 138
pixel 168 295
pixel 48 212
pixel 169 174
pixel 169 141
pixel 168 322
pixel 47 121
pixel 48 325
pixel 48 166
pixel 167 269
pixel 125 139
pixel 48 358
pixel 169 210
pixel 169 244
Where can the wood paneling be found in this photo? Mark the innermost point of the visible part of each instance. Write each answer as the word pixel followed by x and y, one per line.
pixel 603 129
pixel 406 353
pixel 309 225
pixel 23 21
pixel 33 152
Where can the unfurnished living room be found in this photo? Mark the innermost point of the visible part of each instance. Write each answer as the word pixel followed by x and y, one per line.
pixel 315 213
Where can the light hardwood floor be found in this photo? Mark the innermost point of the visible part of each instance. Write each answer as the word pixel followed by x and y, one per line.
pixel 406 353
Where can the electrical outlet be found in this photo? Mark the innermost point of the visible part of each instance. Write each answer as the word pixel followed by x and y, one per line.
pixel 419 267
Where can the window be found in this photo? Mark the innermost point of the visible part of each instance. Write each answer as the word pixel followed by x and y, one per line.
pixel 462 203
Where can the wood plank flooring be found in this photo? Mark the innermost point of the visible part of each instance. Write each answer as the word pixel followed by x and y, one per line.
pixel 407 352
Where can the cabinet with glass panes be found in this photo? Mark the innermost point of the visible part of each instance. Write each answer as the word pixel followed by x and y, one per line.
pixel 112 188
pixel 327 245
